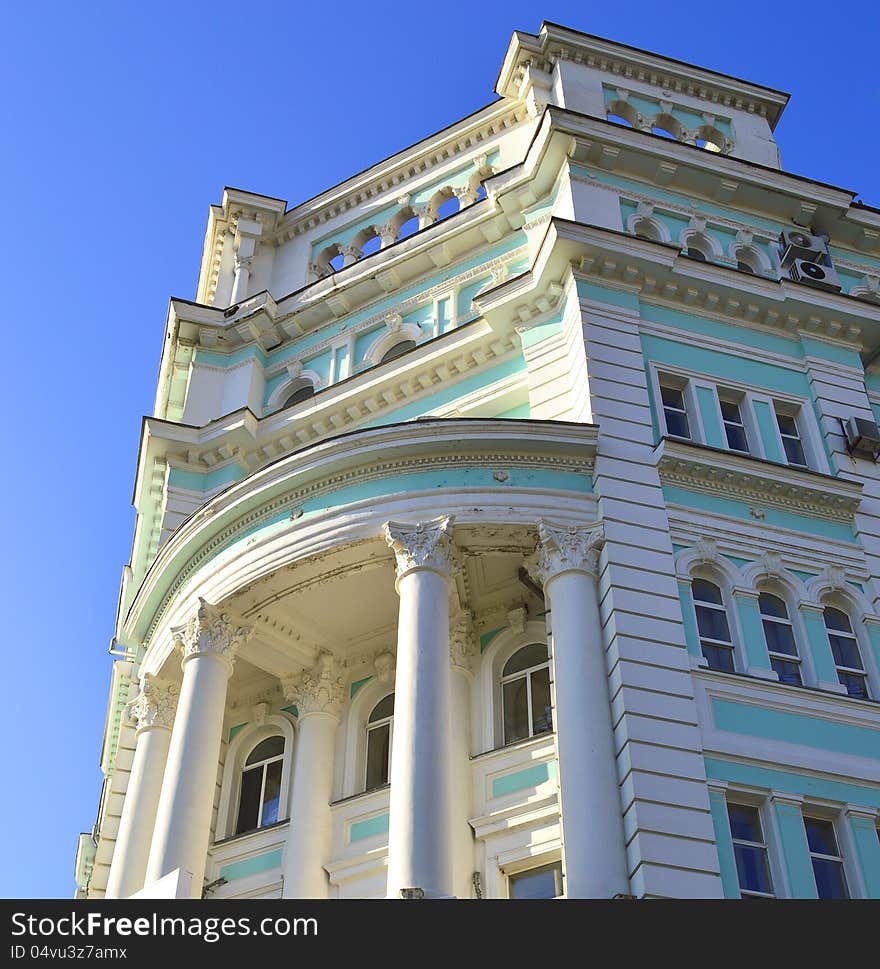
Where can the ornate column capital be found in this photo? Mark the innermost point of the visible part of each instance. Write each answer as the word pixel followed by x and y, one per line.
pixel 424 545
pixel 155 705
pixel 211 632
pixel 318 690
pixel 462 642
pixel 566 548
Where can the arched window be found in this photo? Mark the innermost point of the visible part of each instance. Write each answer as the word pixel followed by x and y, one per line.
pixel 337 262
pixel 260 789
pixel 847 658
pixel 380 729
pixel 695 251
pixel 646 229
pixel 712 625
pixel 779 636
pixel 397 350
pixel 300 394
pixel 525 693
pixel 657 130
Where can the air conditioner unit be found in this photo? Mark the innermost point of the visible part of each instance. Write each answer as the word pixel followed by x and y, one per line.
pixel 862 435
pixel 801 244
pixel 823 277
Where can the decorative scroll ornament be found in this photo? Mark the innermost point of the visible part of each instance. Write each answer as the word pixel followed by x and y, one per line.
pixel 384 666
pixel 426 545
pixel 832 577
pixel 318 690
pixel 565 548
pixel 155 705
pixel 212 631
pixel 706 550
pixel 462 641
pixel 771 563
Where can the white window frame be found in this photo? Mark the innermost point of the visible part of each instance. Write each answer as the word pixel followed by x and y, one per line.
pixel 685 382
pixel 759 807
pixel 741 398
pixel 262 765
pixel 527 674
pixel 866 671
pixel 511 875
pixel 812 449
pixel 823 813
pixel 799 640
pixel 740 661
pixel 375 725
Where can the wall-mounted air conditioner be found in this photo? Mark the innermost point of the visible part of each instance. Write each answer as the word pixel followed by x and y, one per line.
pixel 801 244
pixel 814 274
pixel 862 436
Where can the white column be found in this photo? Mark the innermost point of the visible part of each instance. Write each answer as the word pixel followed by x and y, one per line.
pixel 153 713
pixel 319 695
pixel 242 279
pixel 419 839
pixel 462 650
pixel 594 854
pixel 209 642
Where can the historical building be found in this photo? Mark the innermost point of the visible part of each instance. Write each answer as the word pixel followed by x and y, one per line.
pixel 508 519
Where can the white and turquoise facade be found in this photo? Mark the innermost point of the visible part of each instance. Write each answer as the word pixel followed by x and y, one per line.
pixel 528 427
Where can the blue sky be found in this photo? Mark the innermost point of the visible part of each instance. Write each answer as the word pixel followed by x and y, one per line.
pixel 120 125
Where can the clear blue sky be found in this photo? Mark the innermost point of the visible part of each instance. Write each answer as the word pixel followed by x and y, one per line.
pixel 120 125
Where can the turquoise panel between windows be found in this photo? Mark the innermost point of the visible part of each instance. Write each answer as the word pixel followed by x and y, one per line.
pixel 752 631
pixel 766 419
pixel 691 634
pixel 795 728
pixel 867 845
pixel 795 851
pixel 369 828
pixel 252 866
pixel 530 777
pixel 709 416
pixel 820 647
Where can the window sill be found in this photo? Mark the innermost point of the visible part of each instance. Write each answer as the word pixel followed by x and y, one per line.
pixel 699 467
pixel 253 833
pixel 792 688
pixel 535 741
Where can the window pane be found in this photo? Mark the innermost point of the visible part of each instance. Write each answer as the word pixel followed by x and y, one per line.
pixel 835 619
pixel 730 411
pixel 515 702
pixel 542 715
pixel 397 350
pixel 304 393
pixel 378 749
pixel 677 424
pixel 820 836
pixel 270 747
pixel 771 605
pixel 706 591
pixel 845 650
pixel 855 685
pixel 830 882
pixel 751 868
pixel 712 623
pixel 540 883
pixel 745 823
pixel 525 658
pixel 794 451
pixel 787 672
pixel 719 658
pixel 736 438
pixel 786 424
pixel 249 800
pixel 780 638
pixel 383 709
pixel 672 397
pixel 271 793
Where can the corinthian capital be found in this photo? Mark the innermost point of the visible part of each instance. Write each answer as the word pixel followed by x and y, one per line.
pixel 212 632
pixel 462 641
pixel 155 705
pixel 566 548
pixel 426 545
pixel 318 690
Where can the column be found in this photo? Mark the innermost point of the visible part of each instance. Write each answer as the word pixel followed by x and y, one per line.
pixel 153 714
pixel 242 279
pixel 749 613
pixel 319 694
pixel 788 814
pixel 594 854
pixel 419 838
pixel 209 643
pixel 863 833
pixel 462 651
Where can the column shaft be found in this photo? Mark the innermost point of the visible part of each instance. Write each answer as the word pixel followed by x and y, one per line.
pixel 462 784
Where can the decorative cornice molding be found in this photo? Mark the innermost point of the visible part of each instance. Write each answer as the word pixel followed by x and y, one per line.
pixel 211 632
pixel 422 545
pixel 721 475
pixel 155 705
pixel 566 548
pixel 318 690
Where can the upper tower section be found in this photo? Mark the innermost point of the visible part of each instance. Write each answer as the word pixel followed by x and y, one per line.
pixel 632 87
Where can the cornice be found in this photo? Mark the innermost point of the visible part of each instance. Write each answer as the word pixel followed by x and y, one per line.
pixel 721 473
pixel 554 43
pixel 313 471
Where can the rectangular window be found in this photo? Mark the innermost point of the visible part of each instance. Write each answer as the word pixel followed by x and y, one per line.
pixel 845 649
pixel 750 851
pixel 545 882
pixel 826 859
pixel 675 410
pixel 715 641
pixel 791 438
pixel 734 426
